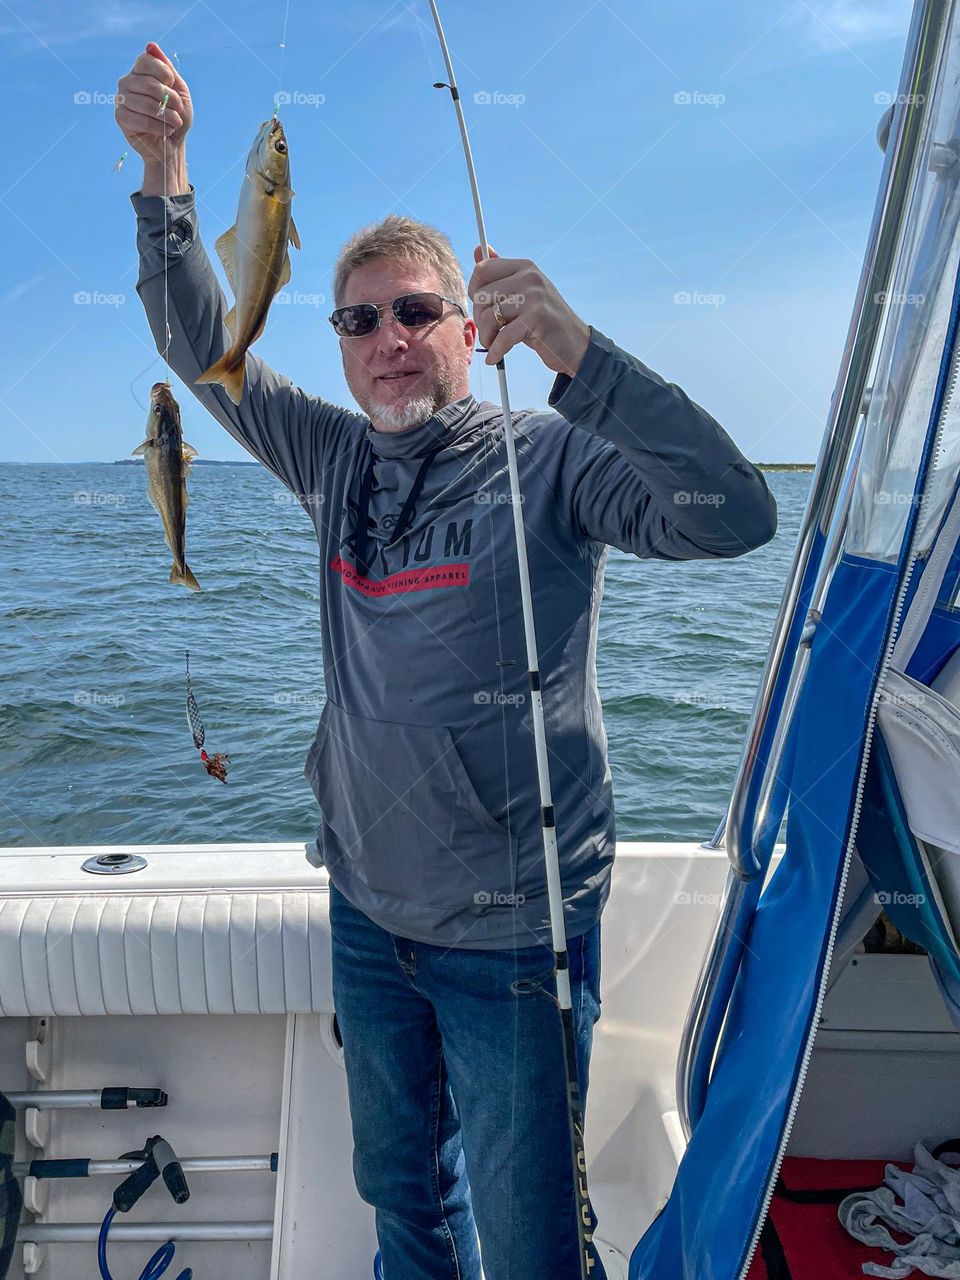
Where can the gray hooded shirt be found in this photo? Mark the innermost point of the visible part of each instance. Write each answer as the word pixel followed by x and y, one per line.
pixel 423 762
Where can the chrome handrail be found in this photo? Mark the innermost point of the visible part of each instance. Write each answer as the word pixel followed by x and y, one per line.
pixel 746 819
pixel 913 104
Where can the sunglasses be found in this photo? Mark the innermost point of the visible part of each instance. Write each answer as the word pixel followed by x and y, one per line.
pixel 412 310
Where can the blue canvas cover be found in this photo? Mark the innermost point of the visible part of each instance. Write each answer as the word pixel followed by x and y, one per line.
pixel 706 1229
pixel 711 1223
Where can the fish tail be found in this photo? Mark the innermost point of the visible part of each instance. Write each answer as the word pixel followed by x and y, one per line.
pixel 183 573
pixel 228 372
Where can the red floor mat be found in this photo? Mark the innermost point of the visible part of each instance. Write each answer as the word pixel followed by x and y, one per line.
pixel 803 1239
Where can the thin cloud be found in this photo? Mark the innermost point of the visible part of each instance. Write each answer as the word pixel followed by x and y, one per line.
pixel 848 24
pixel 80 23
pixel 17 291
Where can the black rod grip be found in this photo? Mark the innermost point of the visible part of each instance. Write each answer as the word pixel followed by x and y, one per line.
pixel 59 1168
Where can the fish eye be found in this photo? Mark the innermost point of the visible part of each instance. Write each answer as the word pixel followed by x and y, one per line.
pixel 156 410
pixel 280 145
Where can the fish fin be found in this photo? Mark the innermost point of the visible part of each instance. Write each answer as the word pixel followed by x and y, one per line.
pixel 226 250
pixel 188 450
pixel 285 274
pixel 142 448
pixel 294 235
pixel 283 194
pixel 228 372
pixel 230 320
pixel 184 575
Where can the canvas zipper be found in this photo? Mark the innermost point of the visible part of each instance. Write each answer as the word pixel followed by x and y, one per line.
pixel 855 821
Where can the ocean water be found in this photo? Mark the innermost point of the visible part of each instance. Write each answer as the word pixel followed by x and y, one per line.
pixel 94 744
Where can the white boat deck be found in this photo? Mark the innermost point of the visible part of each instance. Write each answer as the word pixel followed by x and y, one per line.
pixel 207 974
pixel 117 980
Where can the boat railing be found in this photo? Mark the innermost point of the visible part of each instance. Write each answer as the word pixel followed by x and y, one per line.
pixel 751 825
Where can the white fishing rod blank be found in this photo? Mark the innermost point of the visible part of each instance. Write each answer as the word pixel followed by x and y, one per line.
pixel 547 816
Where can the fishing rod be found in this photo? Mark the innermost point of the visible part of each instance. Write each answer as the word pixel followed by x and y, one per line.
pixel 585 1223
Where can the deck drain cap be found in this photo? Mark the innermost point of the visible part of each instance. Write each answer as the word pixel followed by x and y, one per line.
pixel 114 864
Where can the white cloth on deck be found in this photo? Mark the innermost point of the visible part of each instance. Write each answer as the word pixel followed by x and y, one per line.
pixel 924 1205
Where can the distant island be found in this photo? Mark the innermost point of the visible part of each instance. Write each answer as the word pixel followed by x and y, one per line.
pixel 251 462
pixel 197 462
pixel 227 462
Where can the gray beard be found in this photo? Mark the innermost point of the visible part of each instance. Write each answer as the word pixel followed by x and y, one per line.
pixel 413 412
pixel 403 416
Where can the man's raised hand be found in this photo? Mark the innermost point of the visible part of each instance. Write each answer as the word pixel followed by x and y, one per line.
pixel 139 94
pixel 533 311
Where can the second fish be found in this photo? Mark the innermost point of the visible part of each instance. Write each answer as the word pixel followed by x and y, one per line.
pixel 254 252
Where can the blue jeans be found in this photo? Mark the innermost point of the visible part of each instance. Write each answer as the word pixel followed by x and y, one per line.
pixel 458 1103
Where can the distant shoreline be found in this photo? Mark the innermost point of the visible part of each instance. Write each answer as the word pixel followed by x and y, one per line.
pixel 250 462
pixel 197 462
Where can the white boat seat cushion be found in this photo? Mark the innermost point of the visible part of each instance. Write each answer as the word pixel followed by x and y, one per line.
pixel 165 953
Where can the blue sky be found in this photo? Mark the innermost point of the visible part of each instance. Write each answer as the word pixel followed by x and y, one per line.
pixel 636 152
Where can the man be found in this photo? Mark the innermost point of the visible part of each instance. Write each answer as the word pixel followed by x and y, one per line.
pixel 423 763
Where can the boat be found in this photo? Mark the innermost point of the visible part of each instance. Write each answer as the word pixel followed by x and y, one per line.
pixel 166 1016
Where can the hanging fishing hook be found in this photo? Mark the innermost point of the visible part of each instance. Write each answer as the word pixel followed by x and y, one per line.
pixel 215 765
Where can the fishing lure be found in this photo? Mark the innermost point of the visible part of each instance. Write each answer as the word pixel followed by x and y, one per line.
pixel 119 165
pixel 215 765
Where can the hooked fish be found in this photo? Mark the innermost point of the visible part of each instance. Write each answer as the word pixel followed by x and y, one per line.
pixel 167 457
pixel 254 252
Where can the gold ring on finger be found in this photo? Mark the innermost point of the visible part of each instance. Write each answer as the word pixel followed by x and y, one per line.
pixel 498 315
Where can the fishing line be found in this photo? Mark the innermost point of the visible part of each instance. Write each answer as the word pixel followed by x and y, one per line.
pixel 420 24
pixel 584 1214
pixel 165 354
pixel 283 54
pixel 161 113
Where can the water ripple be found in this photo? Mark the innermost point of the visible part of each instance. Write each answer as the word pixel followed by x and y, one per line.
pixel 93 738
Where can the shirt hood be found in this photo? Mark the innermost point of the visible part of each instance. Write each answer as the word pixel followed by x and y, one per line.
pixel 458 424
